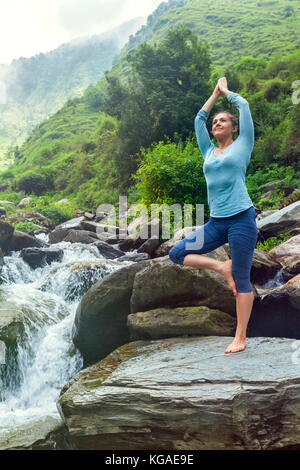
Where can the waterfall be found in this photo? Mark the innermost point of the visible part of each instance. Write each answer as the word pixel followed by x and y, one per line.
pixel 43 361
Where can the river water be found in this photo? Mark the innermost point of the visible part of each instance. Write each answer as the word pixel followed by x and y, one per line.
pixel 46 299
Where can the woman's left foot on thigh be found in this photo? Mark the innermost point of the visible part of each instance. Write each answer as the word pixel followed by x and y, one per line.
pixel 237 345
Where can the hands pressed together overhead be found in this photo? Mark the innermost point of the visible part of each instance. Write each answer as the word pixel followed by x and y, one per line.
pixel 221 87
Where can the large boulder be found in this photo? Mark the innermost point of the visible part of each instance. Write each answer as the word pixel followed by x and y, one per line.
pixel 6 232
pixel 282 221
pixel 163 283
pixel 29 216
pixel 71 224
pixel 80 236
pixel 37 257
pixel 101 317
pixel 264 267
pixel 21 240
pixel 171 322
pixel 288 254
pixel 145 231
pixel 108 251
pixel 186 394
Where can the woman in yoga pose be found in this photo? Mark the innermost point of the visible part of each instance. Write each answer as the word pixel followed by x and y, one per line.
pixel 232 214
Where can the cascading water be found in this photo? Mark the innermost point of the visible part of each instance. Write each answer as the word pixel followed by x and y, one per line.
pixel 42 361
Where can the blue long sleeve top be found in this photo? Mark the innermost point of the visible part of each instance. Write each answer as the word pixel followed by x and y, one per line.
pixel 225 173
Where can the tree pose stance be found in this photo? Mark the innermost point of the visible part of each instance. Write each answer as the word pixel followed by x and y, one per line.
pixel 232 214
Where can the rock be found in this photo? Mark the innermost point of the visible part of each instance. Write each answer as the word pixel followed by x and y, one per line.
pixel 101 318
pixel 74 224
pixel 288 254
pixel 11 323
pixel 292 289
pixel 37 257
pixel 270 185
pixel 277 312
pixel 166 246
pixel 39 434
pixel 26 201
pixel 135 225
pixel 163 283
pixel 89 215
pixel 108 238
pixel 264 267
pixel 129 243
pixel 21 240
pixel 102 228
pixel 186 394
pixel 62 201
pixel 281 221
pixel 134 257
pixel 80 236
pixel 2 212
pixel 6 232
pixel 100 215
pixel 40 230
pixel 100 323
pixel 7 203
pixel 136 239
pixel 29 216
pixel 292 282
pixel 171 322
pixel 82 277
pixel 107 250
pixel 58 235
pixel 261 215
pixel 149 246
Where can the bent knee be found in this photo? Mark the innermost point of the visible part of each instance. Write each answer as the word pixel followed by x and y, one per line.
pixel 175 256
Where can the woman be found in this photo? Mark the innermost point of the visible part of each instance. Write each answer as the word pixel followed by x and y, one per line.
pixel 232 214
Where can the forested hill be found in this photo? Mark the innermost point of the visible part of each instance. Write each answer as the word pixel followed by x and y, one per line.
pixel 258 28
pixel 132 133
pixel 36 87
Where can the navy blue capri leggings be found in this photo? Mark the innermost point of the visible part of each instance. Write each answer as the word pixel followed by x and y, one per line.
pixel 239 230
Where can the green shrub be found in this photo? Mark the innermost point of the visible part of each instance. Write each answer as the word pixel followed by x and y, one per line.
pixel 27 226
pixel 35 183
pixel 57 214
pixel 271 242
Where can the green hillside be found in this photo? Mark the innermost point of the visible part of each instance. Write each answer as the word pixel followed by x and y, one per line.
pixel 132 133
pixel 233 29
pixel 37 87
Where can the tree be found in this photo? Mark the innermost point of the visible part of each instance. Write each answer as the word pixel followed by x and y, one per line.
pixel 174 76
pixel 168 83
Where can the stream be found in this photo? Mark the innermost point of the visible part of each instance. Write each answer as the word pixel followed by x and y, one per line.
pixel 44 361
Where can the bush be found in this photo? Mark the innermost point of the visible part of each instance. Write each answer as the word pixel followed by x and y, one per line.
pixel 35 183
pixel 172 174
pixel 271 242
pixel 57 214
pixel 27 226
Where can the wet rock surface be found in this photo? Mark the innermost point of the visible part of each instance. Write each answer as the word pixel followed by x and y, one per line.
pixel 185 393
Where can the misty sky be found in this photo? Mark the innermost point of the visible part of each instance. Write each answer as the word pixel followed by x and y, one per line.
pixel 28 27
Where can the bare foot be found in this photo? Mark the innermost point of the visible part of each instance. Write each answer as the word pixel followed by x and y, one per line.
pixel 238 344
pixel 226 271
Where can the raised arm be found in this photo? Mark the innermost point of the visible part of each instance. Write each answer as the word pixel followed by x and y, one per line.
pixel 246 131
pixel 202 134
pixel 246 126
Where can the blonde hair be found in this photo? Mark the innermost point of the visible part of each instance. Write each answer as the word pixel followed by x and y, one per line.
pixel 233 119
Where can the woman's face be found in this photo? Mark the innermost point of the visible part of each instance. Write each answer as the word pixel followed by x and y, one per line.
pixel 222 126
